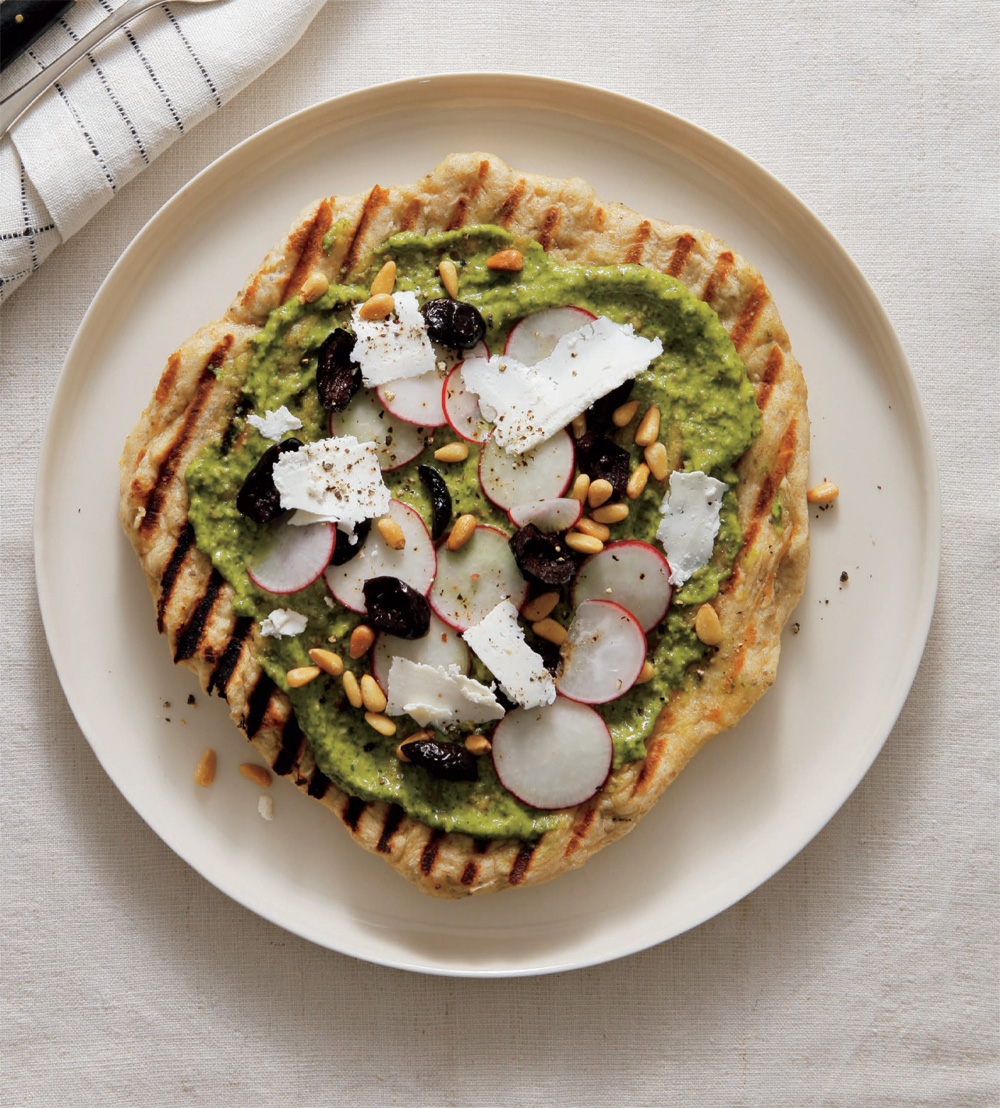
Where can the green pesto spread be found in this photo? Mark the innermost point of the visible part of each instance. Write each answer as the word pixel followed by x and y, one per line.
pixel 708 419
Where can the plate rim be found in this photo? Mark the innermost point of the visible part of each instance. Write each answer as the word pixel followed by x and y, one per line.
pixel 928 563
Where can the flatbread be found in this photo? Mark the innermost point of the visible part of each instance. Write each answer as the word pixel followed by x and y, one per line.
pixel 194 404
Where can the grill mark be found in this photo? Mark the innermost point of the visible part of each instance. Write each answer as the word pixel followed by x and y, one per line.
pixel 634 252
pixel 190 636
pixel 257 705
pixel 318 784
pixel 484 168
pixel 242 406
pixel 723 267
pixel 169 578
pixel 458 214
pixel 521 863
pixel 750 314
pixel 311 248
pixel 470 873
pixel 580 829
pixel 599 221
pixel 654 752
pixel 353 809
pixel 410 215
pixel 480 846
pixel 393 818
pixel 167 380
pixel 786 449
pixel 510 205
pixel 430 852
pixel 749 638
pixel 223 672
pixel 775 363
pixel 291 743
pixel 375 200
pixel 549 226
pixel 678 259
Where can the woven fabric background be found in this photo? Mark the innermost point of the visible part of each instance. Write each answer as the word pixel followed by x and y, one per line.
pixel 864 973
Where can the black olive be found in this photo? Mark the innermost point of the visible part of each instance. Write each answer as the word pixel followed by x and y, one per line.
pixel 345 550
pixel 453 323
pixel 396 608
pixel 599 413
pixel 437 490
pixel 542 557
pixel 258 498
pixel 448 760
pixel 600 458
pixel 338 376
pixel 550 654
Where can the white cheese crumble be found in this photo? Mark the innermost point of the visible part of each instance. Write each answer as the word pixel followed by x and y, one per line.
pixel 690 522
pixel 275 425
pixel 336 480
pixel 498 641
pixel 283 621
pixel 265 806
pixel 436 696
pixel 529 404
pixel 393 349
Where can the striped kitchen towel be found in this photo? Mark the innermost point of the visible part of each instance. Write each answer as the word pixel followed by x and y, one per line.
pixel 121 107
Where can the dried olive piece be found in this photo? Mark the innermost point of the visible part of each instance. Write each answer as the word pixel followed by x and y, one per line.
pixel 345 550
pixel 599 413
pixel 437 490
pixel 258 499
pixel 542 557
pixel 599 457
pixel 441 758
pixel 453 323
pixel 550 653
pixel 395 607
pixel 338 376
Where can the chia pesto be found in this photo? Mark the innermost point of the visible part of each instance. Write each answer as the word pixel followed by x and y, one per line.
pixel 709 417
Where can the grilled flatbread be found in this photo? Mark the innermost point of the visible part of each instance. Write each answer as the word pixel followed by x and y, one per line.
pixel 193 404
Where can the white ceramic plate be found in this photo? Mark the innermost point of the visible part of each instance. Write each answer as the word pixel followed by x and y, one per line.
pixel 754 796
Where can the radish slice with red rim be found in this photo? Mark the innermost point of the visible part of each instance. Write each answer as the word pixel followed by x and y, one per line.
pixel 535 337
pixel 472 580
pixel 398 442
pixel 558 514
pixel 461 407
pixel 416 400
pixel 603 654
pixel 555 756
pixel 542 473
pixel 632 574
pixel 441 646
pixel 415 563
pixel 291 558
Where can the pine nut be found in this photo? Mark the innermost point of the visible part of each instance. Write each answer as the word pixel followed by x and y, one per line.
pixel 327 661
pixel 623 416
pixel 551 631
pixel 637 482
pixel 579 426
pixel 449 277
pixel 352 689
pixel 583 544
pixel 540 606
pixel 600 492
pixel 461 532
pixel 302 675
pixel 382 724
pixel 385 280
pixel 376 307
pixel 656 458
pixel 453 452
pixel 646 673
pixel 510 261
pixel 478 745
pixel 610 513
pixel 392 533
pixel 362 638
pixel 371 695
pixel 707 626
pixel 417 736
pixel 581 486
pixel 257 774
pixel 313 287
pixel 594 529
pixel 204 775
pixel 824 493
pixel 649 427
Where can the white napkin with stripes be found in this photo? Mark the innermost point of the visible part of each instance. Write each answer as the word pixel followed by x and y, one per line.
pixel 121 107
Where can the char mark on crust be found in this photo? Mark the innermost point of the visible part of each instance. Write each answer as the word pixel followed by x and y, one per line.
pixel 678 259
pixel 654 752
pixel 318 784
pixel 375 200
pixel 242 406
pixel 190 635
pixel 260 698
pixel 521 863
pixel 458 214
pixel 773 366
pixel 634 252
pixel 393 818
pixel 782 462
pixel 550 225
pixel 506 211
pixel 308 241
pixel 481 846
pixel 599 219
pixel 428 856
pixel 167 381
pixel 723 267
pixel 470 873
pixel 749 638
pixel 353 810
pixel 226 665
pixel 169 578
pixel 291 744
pixel 579 830
pixel 750 314
pixel 409 220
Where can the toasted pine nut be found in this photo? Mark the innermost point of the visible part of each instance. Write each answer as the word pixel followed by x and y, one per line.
pixel 461 532
pixel 362 638
pixel 371 695
pixel 579 426
pixel 540 606
pixel 637 482
pixel 452 452
pixel 376 307
pixel 824 493
pixel 392 533
pixel 204 775
pixel 302 675
pixel 623 416
pixel 327 661
pixel 600 492
pixel 594 529
pixel 707 626
pixel 385 280
pixel 581 486
pixel 656 458
pixel 415 737
pixel 478 744
pixel 382 724
pixel 352 689
pixel 551 631
pixel 509 260
pixel 583 544
pixel 313 288
pixel 257 774
pixel 649 427
pixel 610 513
pixel 646 673
pixel 449 277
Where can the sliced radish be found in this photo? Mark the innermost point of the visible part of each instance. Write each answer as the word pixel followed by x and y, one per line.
pixel 472 580
pixel 293 557
pixel 415 400
pixel 556 756
pixel 535 336
pixel 461 407
pixel 603 654
pixel 441 646
pixel 631 573
pixel 547 515
pixel 399 442
pixel 542 473
pixel 414 564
